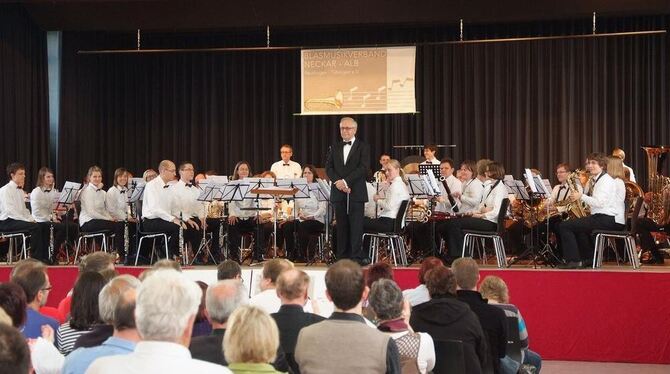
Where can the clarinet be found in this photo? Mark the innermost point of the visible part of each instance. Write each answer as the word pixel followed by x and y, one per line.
pixel 51 237
pixel 452 201
pixel 181 232
pixel 126 231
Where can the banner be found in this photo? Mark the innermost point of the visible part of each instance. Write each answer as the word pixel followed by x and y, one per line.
pixel 358 80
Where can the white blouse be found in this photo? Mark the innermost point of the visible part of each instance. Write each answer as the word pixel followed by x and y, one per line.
pixel 41 203
pixel 93 205
pixel 116 201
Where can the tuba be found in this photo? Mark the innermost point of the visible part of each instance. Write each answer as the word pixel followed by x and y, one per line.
pixel 575 209
pixel 633 191
pixel 659 185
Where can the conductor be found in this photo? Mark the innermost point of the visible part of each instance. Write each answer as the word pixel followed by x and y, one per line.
pixel 347 167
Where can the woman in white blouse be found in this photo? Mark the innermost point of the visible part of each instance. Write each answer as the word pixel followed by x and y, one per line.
pixel 472 188
pixel 240 220
pixel 94 215
pixel 42 200
pixel 389 200
pixel 484 218
pixel 311 216
pixel 116 199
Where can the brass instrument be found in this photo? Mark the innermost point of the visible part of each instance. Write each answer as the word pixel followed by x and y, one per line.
pixel 659 206
pixel 418 213
pixel 325 104
pixel 575 209
pixel 633 191
pixel 532 215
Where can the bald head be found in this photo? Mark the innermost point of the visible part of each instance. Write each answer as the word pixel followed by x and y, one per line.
pixel 292 286
pixel 223 298
pixel 167 170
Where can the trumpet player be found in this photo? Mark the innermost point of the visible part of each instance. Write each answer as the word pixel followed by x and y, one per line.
pixel 380 175
pixel 42 200
pixel 607 213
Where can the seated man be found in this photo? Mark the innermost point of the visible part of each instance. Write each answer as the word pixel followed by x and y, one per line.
pixel 352 346
pixel 228 269
pixel 267 299
pixel 14 351
pixel 35 283
pixel 166 306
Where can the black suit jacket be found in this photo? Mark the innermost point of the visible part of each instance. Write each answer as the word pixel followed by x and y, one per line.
pixel 209 348
pixel 354 172
pixel 290 320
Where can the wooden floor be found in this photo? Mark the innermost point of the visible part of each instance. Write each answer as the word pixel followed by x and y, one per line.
pixel 576 367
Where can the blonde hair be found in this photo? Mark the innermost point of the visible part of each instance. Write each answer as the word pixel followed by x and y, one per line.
pixel 251 336
pixel 615 167
pixel 494 288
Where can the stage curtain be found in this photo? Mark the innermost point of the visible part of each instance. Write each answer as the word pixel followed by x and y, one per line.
pixel 24 118
pixel 525 103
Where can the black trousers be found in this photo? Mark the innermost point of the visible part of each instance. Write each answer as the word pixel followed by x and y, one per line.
pixel 213 226
pixel 163 226
pixel 39 242
pixel 193 236
pixel 452 232
pixel 576 238
pixel 114 227
pixel 645 227
pixel 303 230
pixel 420 234
pixel 349 229
pixel 243 226
pixel 61 229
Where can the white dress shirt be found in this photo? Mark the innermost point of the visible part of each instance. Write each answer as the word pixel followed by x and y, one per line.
pixel 632 173
pixel 266 300
pixel 13 204
pixel 155 357
pixel 117 202
pixel 288 170
pixel 41 203
pixel 494 193
pixel 471 195
pixel 620 201
pixel 312 207
pixel 93 205
pixel 346 149
pixel 455 185
pixel 393 197
pixel 433 161
pixel 605 199
pixel 416 296
pixel 186 200
pixel 234 208
pixel 157 200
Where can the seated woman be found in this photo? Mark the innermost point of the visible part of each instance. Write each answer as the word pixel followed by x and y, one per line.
pixel 388 199
pixel 495 290
pixel 241 220
pixel 251 341
pixel 94 215
pixel 311 214
pixel 484 218
pixel 117 202
pixel 418 350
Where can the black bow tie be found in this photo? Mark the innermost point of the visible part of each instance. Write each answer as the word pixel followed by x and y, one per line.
pixel 189 185
pixel 122 191
pixel 287 164
pixel 166 186
pixel 18 187
pixel 561 188
pixel 98 189
pixel 348 143
pixel 47 191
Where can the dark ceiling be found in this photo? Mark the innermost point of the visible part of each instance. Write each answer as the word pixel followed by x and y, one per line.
pixel 161 15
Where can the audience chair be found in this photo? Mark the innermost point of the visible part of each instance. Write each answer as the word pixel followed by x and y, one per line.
pixel 449 357
pixel 471 236
pixel 513 343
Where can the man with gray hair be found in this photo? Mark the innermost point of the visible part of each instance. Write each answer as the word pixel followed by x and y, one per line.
pixel 157 204
pixel 117 306
pixel 166 307
pixel 108 299
pixel 221 301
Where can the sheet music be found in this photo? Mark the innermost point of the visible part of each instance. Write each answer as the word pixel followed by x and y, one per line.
pixel 299 183
pixel 70 193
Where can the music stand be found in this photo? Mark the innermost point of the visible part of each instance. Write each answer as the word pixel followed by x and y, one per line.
pixel 67 197
pixel 423 169
pixel 233 191
pixel 420 187
pixel 322 190
pixel 537 192
pixel 206 196
pixel 277 194
pixel 302 193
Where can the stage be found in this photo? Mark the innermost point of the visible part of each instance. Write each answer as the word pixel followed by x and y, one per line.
pixel 608 315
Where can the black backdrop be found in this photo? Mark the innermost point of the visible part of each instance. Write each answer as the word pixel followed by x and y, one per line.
pixel 24 118
pixel 524 103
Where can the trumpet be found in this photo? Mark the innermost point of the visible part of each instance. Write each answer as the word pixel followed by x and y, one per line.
pixel 325 104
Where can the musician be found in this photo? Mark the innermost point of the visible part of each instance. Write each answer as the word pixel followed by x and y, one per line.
pixel 42 200
pixel 645 226
pixel 117 196
pixel 421 233
pixel 286 168
pixel 619 153
pixel 430 153
pixel 241 221
pixel 347 166
pixel 311 214
pixel 484 218
pixel 389 199
pixel 15 216
pixel 94 215
pixel 560 196
pixel 149 175
pixel 187 207
pixel 472 188
pixel 380 175
pixel 607 213
pixel 157 205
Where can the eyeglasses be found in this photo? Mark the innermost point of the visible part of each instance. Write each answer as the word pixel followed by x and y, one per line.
pixel 48 288
pixel 347 128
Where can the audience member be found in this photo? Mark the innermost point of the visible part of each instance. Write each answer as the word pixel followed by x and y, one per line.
pixel 166 305
pixel 5 318
pixel 418 295
pixel 267 299
pixel 108 299
pixel 491 318
pixel 228 269
pixel 201 326
pixel 33 279
pixel 495 290
pixel 14 352
pixel 167 264
pixel 376 271
pixel 119 296
pixel 13 302
pixel 343 343
pixel 98 262
pixel 417 352
pixel 85 312
pixel 446 318
pixel 292 286
pixel 251 341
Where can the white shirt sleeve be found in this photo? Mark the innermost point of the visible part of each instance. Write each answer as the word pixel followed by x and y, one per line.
pixel 426 357
pixel 498 194
pixel 155 205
